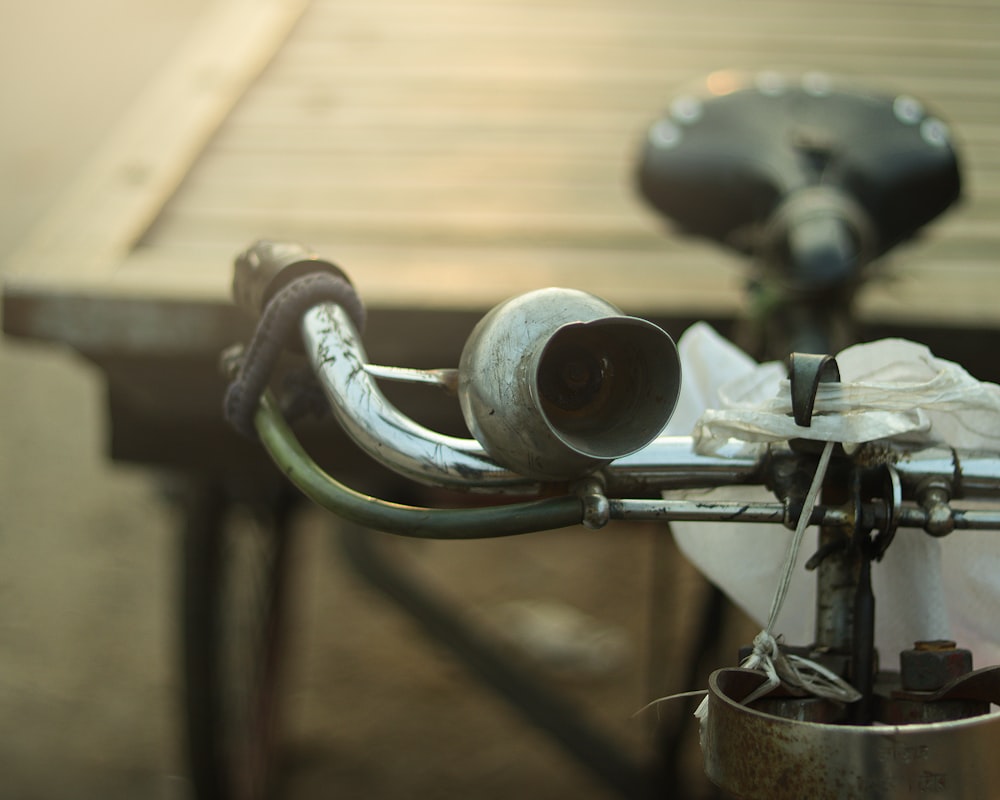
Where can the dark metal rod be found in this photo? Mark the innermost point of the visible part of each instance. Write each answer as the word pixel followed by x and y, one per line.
pixel 863 652
pixel 721 511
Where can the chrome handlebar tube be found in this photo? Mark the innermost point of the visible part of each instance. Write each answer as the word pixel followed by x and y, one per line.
pixel 631 485
pixel 338 358
pixel 381 430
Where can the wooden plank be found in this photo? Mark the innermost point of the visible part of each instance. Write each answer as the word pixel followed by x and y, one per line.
pixel 257 179
pixel 155 309
pixel 681 279
pixel 408 101
pixel 919 74
pixel 568 17
pixel 432 113
pixel 491 216
pixel 476 140
pixel 506 41
pixel 122 190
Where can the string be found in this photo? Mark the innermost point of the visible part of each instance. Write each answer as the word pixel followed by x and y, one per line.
pixel 795 671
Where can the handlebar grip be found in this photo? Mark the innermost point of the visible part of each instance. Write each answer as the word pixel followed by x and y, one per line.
pixel 278 283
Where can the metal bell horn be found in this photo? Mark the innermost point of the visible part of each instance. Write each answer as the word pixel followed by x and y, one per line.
pixel 558 382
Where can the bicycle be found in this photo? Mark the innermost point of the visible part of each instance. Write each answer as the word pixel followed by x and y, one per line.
pixel 576 415
pixel 669 463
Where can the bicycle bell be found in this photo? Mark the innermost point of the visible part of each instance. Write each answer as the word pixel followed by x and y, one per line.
pixel 557 382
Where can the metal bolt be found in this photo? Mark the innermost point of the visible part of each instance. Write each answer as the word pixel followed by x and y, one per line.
pixel 934 497
pixel 932 664
pixel 596 507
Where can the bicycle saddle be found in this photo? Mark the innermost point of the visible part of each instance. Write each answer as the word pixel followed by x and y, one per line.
pixel 800 171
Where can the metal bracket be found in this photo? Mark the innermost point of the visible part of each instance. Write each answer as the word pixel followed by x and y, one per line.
pixel 806 372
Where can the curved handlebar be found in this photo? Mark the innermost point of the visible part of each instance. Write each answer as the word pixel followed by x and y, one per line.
pixel 628 488
pixel 390 437
pixel 472 523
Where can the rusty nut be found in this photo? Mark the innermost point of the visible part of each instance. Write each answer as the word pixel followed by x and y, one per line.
pixel 932 664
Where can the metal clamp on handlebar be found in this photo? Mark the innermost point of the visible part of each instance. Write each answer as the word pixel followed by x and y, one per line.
pixel 266 267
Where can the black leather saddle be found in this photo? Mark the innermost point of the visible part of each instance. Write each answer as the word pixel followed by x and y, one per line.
pixel 815 178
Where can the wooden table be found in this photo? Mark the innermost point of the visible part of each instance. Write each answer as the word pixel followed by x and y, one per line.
pixel 449 154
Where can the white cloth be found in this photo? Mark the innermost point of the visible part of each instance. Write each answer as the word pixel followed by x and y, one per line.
pixel 925 588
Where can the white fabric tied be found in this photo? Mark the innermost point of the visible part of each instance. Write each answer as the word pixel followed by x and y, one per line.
pixel 891 389
pixel 925 588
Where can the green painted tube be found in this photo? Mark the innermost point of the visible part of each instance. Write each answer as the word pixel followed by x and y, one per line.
pixel 424 523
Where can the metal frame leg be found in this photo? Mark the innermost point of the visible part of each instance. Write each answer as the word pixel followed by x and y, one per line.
pixel 552 714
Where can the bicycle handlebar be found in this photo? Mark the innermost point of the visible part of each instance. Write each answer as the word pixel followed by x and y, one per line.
pixel 629 488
